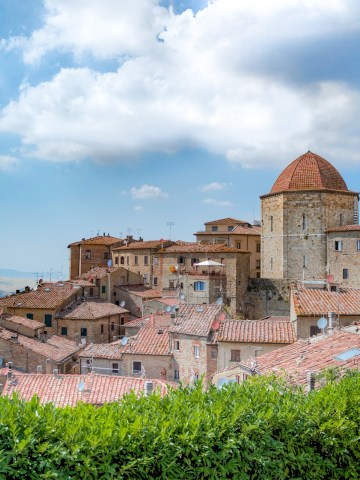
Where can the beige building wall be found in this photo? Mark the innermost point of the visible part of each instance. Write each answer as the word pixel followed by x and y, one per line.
pixel 186 363
pixel 304 324
pixel 155 366
pixel 344 264
pixel 83 257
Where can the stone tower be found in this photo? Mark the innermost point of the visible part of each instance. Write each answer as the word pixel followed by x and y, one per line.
pixel 308 197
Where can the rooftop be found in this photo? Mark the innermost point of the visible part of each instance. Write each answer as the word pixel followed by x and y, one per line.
pixel 309 172
pixel 90 309
pixel 56 348
pixel 63 390
pixel 98 240
pixel 47 295
pixel 97 272
pixel 344 228
pixel 310 355
pixel 202 247
pixel 149 244
pixel 315 302
pixel 140 290
pixel 26 322
pixel 228 222
pixel 111 351
pixel 196 320
pixel 257 331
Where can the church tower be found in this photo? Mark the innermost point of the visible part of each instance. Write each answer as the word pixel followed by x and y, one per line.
pixel 308 197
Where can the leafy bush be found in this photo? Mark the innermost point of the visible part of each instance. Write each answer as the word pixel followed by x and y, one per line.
pixel 262 429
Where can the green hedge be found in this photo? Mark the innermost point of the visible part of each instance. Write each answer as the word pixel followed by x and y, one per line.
pixel 262 429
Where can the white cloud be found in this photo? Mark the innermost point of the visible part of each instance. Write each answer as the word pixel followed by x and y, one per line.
pixel 138 208
pixel 213 186
pixel 8 163
pixel 211 83
pixel 147 192
pixel 217 203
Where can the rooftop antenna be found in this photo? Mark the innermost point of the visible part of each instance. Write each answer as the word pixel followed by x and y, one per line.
pixel 170 224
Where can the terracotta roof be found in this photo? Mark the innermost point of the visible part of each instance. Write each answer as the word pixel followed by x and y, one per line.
pixel 90 309
pixel 47 295
pixel 315 302
pixel 6 370
pixel 227 221
pixel 196 319
pixel 55 347
pixel 103 350
pixel 99 240
pixel 239 230
pixel 150 340
pixel 310 355
pixel 26 322
pixel 257 331
pixel 157 320
pixel 149 244
pixel 344 228
pixel 141 291
pixel 203 247
pixel 97 272
pixel 309 172
pixel 63 390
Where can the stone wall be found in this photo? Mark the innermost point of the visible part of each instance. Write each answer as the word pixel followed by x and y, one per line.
pixel 347 258
pixel 266 297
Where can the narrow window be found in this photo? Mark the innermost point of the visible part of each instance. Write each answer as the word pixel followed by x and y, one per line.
pixel 181 260
pixel 30 316
pixel 115 368
pixel 257 264
pixel 127 260
pixel 214 228
pixel 155 281
pixel 357 244
pixel 177 345
pixel 146 278
pixel 235 356
pixel 112 326
pixel 88 254
pixel 116 260
pixel 258 248
pixel 338 245
pixel 63 330
pixel 83 332
pixel 304 221
pixel 304 261
pixel 146 260
pixel 106 255
pixel 48 320
pixel 136 367
pixel 345 273
pixel 194 260
pixel 199 286
pixel 156 261
pixel 341 220
pixel 230 228
pixel 101 328
pixel 238 245
pixel 196 351
pixel 271 223
pixel 122 260
pixel 136 260
pixel 103 289
pixel 91 292
pixel 176 375
pixel 213 352
pixel 271 263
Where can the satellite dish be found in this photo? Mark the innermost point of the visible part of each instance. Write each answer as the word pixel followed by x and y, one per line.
pixel 182 296
pixel 322 322
pixel 219 301
pixel 221 382
pixel 109 263
pixel 200 309
pixel 81 386
pixel 122 304
pixel 173 309
pixel 330 278
pixel 124 341
pixel 168 309
pixel 222 316
pixel 83 341
pixel 215 325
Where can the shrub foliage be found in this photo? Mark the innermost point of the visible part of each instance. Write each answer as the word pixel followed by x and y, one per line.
pixel 262 429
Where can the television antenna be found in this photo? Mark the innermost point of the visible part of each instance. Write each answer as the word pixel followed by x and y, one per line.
pixel 170 224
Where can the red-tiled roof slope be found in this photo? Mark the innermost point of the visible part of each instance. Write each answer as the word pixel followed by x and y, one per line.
pixel 310 355
pixel 227 221
pixel 202 247
pixel 99 240
pixel 344 228
pixel 47 295
pixel 257 331
pixel 311 302
pixel 143 245
pixel 309 172
pixel 91 309
pixel 196 319
pixel 112 351
pixel 62 390
pixel 26 322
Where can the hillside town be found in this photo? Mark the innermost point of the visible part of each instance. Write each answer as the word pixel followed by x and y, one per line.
pixel 280 295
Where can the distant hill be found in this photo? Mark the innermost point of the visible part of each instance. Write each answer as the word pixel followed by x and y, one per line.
pixel 6 272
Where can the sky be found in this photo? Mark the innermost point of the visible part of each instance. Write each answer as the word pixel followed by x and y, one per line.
pixel 122 117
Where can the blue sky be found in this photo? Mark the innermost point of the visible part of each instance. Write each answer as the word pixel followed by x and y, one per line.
pixel 119 116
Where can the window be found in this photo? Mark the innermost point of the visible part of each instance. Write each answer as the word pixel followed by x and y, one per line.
pixel 357 244
pixel 112 326
pixel 48 320
pixel 238 245
pixel 314 330
pixel 83 332
pixel 257 274
pixel 88 254
pixel 106 255
pixel 156 261
pixel 176 375
pixel 194 260
pixel 63 330
pixel 103 289
pixel 345 273
pixel 115 368
pixel 230 228
pixel 338 245
pixel 271 263
pixel 101 328
pixel 304 222
pixel 258 248
pixel 171 284
pixel 213 352
pixel 122 320
pixel 271 223
pixel 122 260
pixel 196 351
pixel 155 280
pixel 199 286
pixel 116 260
pixel 257 264
pixel 304 261
pixel 181 260
pixel 127 260
pixel 146 260
pixel 146 278
pixel 136 367
pixel 136 260
pixel 214 228
pixel 30 316
pixel 176 345
pixel 341 220
pixel 235 356
pixel 91 292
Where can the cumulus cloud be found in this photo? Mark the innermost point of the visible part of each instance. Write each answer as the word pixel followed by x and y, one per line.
pixel 217 203
pixel 147 192
pixel 213 186
pixel 8 163
pixel 219 80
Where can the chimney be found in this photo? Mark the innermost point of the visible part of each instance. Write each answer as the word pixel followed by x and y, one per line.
pixel 39 369
pixel 148 388
pixel 311 381
pixel 56 371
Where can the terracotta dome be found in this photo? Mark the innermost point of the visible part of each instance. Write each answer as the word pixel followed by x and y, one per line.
pixel 309 172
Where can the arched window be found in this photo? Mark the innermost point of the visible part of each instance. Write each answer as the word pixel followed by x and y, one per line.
pixel 199 286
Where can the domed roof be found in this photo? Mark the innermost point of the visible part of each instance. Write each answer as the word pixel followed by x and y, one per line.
pixel 309 172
